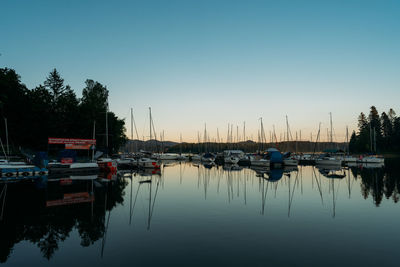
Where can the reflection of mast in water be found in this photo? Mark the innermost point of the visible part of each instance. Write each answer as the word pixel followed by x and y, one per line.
pixel 350 182
pixel 3 195
pixel 132 207
pixel 103 242
pixel 263 195
pixel 318 184
pixel 333 197
pixel 296 181
pixel 245 187
pixel 151 201
pixel 229 186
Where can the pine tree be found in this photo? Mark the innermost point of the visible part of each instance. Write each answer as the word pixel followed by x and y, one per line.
pixel 387 131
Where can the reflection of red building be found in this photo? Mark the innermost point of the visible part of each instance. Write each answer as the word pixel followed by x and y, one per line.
pixel 69 191
pixel 108 175
pixel 72 198
pixel 109 166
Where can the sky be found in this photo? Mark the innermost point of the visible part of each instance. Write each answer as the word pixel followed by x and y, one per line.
pixel 214 63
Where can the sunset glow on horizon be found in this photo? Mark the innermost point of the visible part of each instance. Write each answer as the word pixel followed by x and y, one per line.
pixel 216 62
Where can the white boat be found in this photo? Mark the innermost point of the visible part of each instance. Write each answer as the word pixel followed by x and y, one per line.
pixel 371 159
pixel 196 157
pixel 7 162
pixel 233 156
pixel 349 159
pixel 259 161
pixel 57 167
pixel 328 160
pixel 148 163
pixel 231 160
pixel 208 158
pixel 125 161
pixel 183 157
pixel 371 165
pixel 290 162
pixel 167 156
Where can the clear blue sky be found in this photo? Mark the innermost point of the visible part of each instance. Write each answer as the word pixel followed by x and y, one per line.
pixel 215 62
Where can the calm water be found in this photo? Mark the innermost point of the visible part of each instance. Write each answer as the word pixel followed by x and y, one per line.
pixel 190 215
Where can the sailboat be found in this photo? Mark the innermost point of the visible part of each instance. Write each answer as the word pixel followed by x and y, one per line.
pixel 373 158
pixel 233 156
pixel 146 162
pixel 105 163
pixel 328 159
pixel 347 158
pixel 260 159
pixel 207 157
pixel 288 158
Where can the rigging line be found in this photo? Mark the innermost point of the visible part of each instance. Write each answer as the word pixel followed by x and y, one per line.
pixel 144 126
pixel 294 186
pixel 319 187
pixel 4 200
pixel 337 190
pixel 134 202
pixel 154 200
pixel 134 124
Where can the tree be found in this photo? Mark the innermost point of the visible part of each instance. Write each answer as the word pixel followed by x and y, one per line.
pixel 363 143
pixel 353 143
pixel 396 134
pixel 14 106
pixel 94 98
pixel 387 131
pixel 375 127
pixel 55 84
pixel 53 110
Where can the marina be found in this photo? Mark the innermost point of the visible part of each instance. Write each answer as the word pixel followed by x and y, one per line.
pixel 102 218
pixel 199 133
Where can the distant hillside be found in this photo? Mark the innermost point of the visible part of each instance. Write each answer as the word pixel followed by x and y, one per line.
pixel 149 145
pixel 248 146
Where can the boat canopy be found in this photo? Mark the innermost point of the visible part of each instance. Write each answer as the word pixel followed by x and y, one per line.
pixel 274 155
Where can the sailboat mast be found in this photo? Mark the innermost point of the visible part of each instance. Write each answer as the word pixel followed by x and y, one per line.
pixel 150 121
pixel 244 131
pixel 8 148
pixel 107 125
pixel 287 129
pixel 347 140
pixel 94 137
pixel 131 127
pixel 180 138
pixel 237 136
pixel 261 134
pixel 330 114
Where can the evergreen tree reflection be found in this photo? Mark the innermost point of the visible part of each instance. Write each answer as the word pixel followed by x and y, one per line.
pixel 28 219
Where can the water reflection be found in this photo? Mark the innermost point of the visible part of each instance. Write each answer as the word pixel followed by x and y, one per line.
pixel 46 211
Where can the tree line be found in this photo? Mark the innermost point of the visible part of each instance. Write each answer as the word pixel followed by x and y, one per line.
pixel 376 133
pixel 52 109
